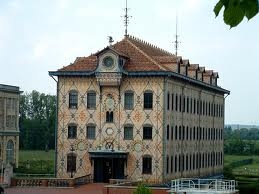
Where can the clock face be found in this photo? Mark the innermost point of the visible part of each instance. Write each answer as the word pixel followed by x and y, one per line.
pixel 108 62
pixel 109 131
pixel 81 146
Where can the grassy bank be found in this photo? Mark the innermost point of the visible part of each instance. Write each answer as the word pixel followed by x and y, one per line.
pixel 36 162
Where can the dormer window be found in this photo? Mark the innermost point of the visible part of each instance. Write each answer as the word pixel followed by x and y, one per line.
pixel 108 62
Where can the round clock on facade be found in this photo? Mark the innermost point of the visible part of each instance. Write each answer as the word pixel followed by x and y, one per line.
pixel 81 146
pixel 109 131
pixel 108 62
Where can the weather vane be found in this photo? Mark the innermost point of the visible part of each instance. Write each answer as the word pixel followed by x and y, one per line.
pixel 110 40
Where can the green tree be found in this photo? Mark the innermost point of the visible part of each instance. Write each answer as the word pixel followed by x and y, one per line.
pixel 37 120
pixel 236 10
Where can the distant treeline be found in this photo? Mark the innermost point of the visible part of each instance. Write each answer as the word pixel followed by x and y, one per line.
pixel 37 121
pixel 241 141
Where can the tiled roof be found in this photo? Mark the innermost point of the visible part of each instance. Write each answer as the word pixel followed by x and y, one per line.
pixel 142 57
pixel 82 64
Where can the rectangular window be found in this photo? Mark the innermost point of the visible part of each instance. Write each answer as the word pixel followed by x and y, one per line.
pixel 73 99
pixel 168 101
pixel 91 100
pixel 167 164
pixel 90 132
pixel 147 132
pixel 147 165
pixel 109 116
pixel 172 102
pixel 176 102
pixel 180 103
pixel 184 104
pixel 167 132
pixel 148 100
pixel 172 133
pixel 72 130
pixel 128 132
pixel 71 163
pixel 128 100
pixel 187 104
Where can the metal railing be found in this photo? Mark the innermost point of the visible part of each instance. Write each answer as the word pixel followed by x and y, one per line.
pixel 208 185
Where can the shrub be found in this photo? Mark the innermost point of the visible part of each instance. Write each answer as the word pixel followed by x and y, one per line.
pixel 142 189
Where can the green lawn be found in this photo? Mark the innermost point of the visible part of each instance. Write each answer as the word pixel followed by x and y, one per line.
pixel 231 158
pixel 36 162
pixel 246 170
pixel 25 155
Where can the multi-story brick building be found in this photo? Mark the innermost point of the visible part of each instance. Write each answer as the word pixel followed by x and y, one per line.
pixel 9 124
pixel 134 110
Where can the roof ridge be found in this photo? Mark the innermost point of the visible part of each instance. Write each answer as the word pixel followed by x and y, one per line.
pixel 149 44
pixel 146 55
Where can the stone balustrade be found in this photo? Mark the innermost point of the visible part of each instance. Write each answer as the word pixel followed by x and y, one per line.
pixel 50 182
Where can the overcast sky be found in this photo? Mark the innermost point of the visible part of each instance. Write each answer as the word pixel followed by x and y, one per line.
pixel 37 36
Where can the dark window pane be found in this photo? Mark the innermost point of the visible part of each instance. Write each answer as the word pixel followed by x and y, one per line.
pixel 72 130
pixel 109 116
pixel 148 100
pixel 128 100
pixel 147 132
pixel 71 163
pixel 128 132
pixel 73 99
pixel 147 165
pixel 91 100
pixel 90 132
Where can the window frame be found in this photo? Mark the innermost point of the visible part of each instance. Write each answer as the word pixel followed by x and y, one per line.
pixel 72 127
pixel 73 99
pixel 91 100
pixel 91 134
pixel 147 164
pixel 147 135
pixel 148 100
pixel 71 162
pixel 128 100
pixel 128 134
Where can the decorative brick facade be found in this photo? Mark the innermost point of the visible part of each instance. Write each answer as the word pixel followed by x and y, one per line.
pixel 134 110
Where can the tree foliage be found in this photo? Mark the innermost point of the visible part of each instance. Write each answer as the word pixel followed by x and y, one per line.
pixel 37 121
pixel 236 10
pixel 241 141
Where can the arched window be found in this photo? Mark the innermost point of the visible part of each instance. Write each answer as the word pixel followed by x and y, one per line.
pixel 73 99
pixel 71 162
pixel 148 100
pixel 71 131
pixel 10 152
pixel 109 116
pixel 147 132
pixel 167 132
pixel 128 132
pixel 175 131
pixel 167 164
pixel 168 101
pixel 147 164
pixel 176 102
pixel 175 164
pixel 128 100
pixel 91 99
